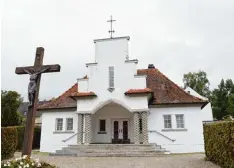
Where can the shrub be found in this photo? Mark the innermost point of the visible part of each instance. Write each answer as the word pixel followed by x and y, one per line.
pixel 8 142
pixel 26 162
pixel 20 134
pixel 10 102
pixel 219 143
pixel 36 137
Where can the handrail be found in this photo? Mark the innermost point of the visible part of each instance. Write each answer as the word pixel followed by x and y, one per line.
pixel 162 135
pixel 70 137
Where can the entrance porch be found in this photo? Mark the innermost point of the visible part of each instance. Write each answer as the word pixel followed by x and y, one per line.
pixel 114 124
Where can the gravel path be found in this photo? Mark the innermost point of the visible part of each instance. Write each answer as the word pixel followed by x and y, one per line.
pixel 169 161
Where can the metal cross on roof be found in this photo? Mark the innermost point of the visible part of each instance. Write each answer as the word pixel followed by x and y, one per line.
pixel 111 31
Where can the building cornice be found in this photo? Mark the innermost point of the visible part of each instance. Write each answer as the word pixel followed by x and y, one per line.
pixel 111 39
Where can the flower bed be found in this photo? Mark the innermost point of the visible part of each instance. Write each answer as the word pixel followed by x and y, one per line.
pixel 25 162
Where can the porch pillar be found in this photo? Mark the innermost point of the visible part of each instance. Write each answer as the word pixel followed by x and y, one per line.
pixel 144 116
pixel 88 130
pixel 80 129
pixel 136 127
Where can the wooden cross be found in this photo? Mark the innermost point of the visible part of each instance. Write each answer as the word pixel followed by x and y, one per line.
pixel 34 84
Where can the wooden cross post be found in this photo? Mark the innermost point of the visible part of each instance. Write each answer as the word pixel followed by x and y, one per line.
pixel 34 85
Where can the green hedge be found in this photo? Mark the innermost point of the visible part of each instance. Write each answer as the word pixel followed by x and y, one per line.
pixel 12 140
pixel 20 134
pixel 219 143
pixel 36 137
pixel 8 142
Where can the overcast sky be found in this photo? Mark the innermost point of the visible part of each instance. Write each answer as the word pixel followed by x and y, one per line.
pixel 177 36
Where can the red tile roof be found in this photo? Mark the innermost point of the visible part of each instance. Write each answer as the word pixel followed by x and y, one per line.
pixel 63 101
pixel 138 91
pixel 163 89
pixel 82 94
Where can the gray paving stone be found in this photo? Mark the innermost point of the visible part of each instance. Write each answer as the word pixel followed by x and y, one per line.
pixel 168 161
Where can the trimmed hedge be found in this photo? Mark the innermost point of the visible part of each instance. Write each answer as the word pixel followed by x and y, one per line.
pixel 8 142
pixel 20 135
pixel 219 143
pixel 36 137
pixel 12 140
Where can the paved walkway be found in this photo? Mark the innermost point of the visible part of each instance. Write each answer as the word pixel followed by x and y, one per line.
pixel 169 161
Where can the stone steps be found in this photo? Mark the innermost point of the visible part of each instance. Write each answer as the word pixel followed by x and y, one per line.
pixel 110 154
pixel 114 147
pixel 112 150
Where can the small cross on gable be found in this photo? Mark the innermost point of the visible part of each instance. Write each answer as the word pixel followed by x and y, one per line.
pixel 111 30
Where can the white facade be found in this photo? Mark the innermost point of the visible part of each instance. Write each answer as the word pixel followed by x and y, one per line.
pixel 189 139
pixel 52 140
pixel 207 114
pixel 112 52
pixel 117 109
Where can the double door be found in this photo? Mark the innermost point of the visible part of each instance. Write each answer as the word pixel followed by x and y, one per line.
pixel 120 129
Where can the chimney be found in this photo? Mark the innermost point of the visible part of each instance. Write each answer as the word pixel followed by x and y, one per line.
pixel 151 66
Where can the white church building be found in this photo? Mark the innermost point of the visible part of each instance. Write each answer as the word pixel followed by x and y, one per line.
pixel 116 103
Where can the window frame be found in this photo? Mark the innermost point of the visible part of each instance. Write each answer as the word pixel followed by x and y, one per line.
pixel 164 123
pixel 102 131
pixel 183 121
pixel 111 79
pixel 56 125
pixel 67 124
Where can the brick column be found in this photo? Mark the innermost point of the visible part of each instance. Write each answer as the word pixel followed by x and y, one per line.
pixel 88 128
pixel 144 116
pixel 136 127
pixel 80 129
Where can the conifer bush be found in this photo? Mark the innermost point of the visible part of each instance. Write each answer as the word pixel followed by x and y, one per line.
pixel 8 142
pixel 219 143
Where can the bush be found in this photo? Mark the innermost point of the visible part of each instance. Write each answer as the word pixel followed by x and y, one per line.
pixel 25 161
pixel 219 143
pixel 36 137
pixel 8 142
pixel 20 134
pixel 10 102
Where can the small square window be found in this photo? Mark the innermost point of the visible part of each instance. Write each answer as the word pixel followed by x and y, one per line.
pixel 59 124
pixel 69 124
pixel 102 125
pixel 180 121
pixel 167 121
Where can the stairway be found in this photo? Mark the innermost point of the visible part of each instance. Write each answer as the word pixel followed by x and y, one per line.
pixel 111 150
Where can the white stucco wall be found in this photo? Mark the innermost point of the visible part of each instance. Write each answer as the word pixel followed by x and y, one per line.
pixel 112 52
pixel 207 114
pixel 51 141
pixel 185 141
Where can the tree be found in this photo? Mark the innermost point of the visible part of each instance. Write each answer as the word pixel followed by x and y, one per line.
pixel 10 103
pixel 223 99
pixel 230 107
pixel 199 82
